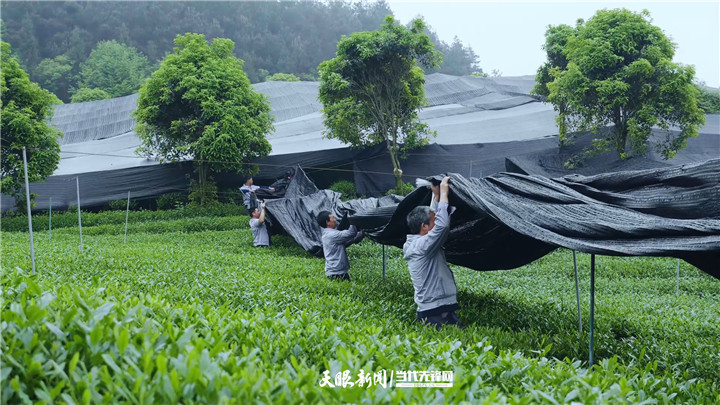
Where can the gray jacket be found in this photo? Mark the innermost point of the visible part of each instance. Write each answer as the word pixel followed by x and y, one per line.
pixel 334 243
pixel 432 279
pixel 260 233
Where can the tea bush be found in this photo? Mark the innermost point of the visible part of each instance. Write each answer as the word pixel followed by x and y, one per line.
pixel 187 311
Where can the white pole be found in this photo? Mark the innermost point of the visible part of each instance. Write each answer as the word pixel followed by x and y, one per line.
pixel 577 289
pixel 50 222
pixel 77 184
pixel 677 286
pixel 127 212
pixel 27 199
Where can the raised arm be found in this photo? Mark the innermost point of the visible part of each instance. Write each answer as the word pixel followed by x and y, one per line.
pixel 437 236
pixel 345 237
pixel 261 218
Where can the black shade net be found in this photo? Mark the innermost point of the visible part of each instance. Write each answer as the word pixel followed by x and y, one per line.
pixel 508 220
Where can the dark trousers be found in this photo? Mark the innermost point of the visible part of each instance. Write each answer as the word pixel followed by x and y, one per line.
pixel 339 277
pixel 438 320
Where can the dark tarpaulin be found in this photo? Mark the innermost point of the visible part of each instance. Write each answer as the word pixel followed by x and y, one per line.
pixel 508 220
pixel 297 217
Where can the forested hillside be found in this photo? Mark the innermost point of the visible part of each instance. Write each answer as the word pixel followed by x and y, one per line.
pixel 53 40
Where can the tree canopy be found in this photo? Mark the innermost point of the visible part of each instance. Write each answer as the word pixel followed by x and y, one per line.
pixel 199 105
pixel 372 90
pixel 282 36
pixel 617 69
pixel 85 94
pixel 26 110
pixel 116 68
pixel 282 77
pixel 55 75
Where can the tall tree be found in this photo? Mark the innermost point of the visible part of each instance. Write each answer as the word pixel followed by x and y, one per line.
pixel 116 68
pixel 26 110
pixel 199 105
pixel 372 90
pixel 56 76
pixel 556 38
pixel 619 71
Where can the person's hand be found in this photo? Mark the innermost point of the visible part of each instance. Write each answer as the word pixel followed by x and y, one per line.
pixel 444 185
pixel 435 189
pixel 262 205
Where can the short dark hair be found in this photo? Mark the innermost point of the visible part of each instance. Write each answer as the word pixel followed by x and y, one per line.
pixel 418 216
pixel 322 218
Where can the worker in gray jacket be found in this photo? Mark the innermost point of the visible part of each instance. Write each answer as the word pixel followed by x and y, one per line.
pixel 261 238
pixel 334 244
pixel 433 281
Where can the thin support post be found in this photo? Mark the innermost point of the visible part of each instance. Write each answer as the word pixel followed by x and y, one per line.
pixel 470 174
pixel 677 285
pixel 50 221
pixel 592 307
pixel 127 212
pixel 77 184
pixel 27 199
pixel 577 290
pixel 384 261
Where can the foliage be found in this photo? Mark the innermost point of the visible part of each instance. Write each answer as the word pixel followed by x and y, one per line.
pixel 203 194
pixel 199 105
pixel 114 67
pixel 708 99
pixel 231 195
pixel 204 319
pixel 346 188
pixel 457 59
pixel 11 223
pixel 282 77
pixel 56 76
pixel 85 94
pixel 172 201
pixel 405 189
pixel 26 109
pixel 122 205
pixel 617 68
pixel 279 36
pixel 372 89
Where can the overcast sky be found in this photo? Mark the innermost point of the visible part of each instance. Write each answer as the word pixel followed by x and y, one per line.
pixel 508 36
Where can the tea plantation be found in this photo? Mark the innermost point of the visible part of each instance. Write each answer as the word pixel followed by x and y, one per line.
pixel 187 311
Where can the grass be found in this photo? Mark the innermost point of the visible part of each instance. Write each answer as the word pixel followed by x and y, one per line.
pixel 188 311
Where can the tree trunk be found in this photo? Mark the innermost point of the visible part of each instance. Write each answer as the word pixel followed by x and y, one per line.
pixel 621 133
pixel 392 149
pixel 202 180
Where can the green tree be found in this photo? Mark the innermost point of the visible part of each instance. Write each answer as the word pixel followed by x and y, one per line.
pixel 114 67
pixel 556 38
pixel 26 110
pixel 372 90
pixel 282 77
pixel 84 94
pixel 55 75
pixel 708 98
pixel 459 60
pixel 199 105
pixel 619 71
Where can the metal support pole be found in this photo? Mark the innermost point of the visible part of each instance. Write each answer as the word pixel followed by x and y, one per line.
pixel 27 199
pixel 577 289
pixel 127 212
pixel 384 261
pixel 592 307
pixel 470 174
pixel 677 286
pixel 50 221
pixel 77 184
